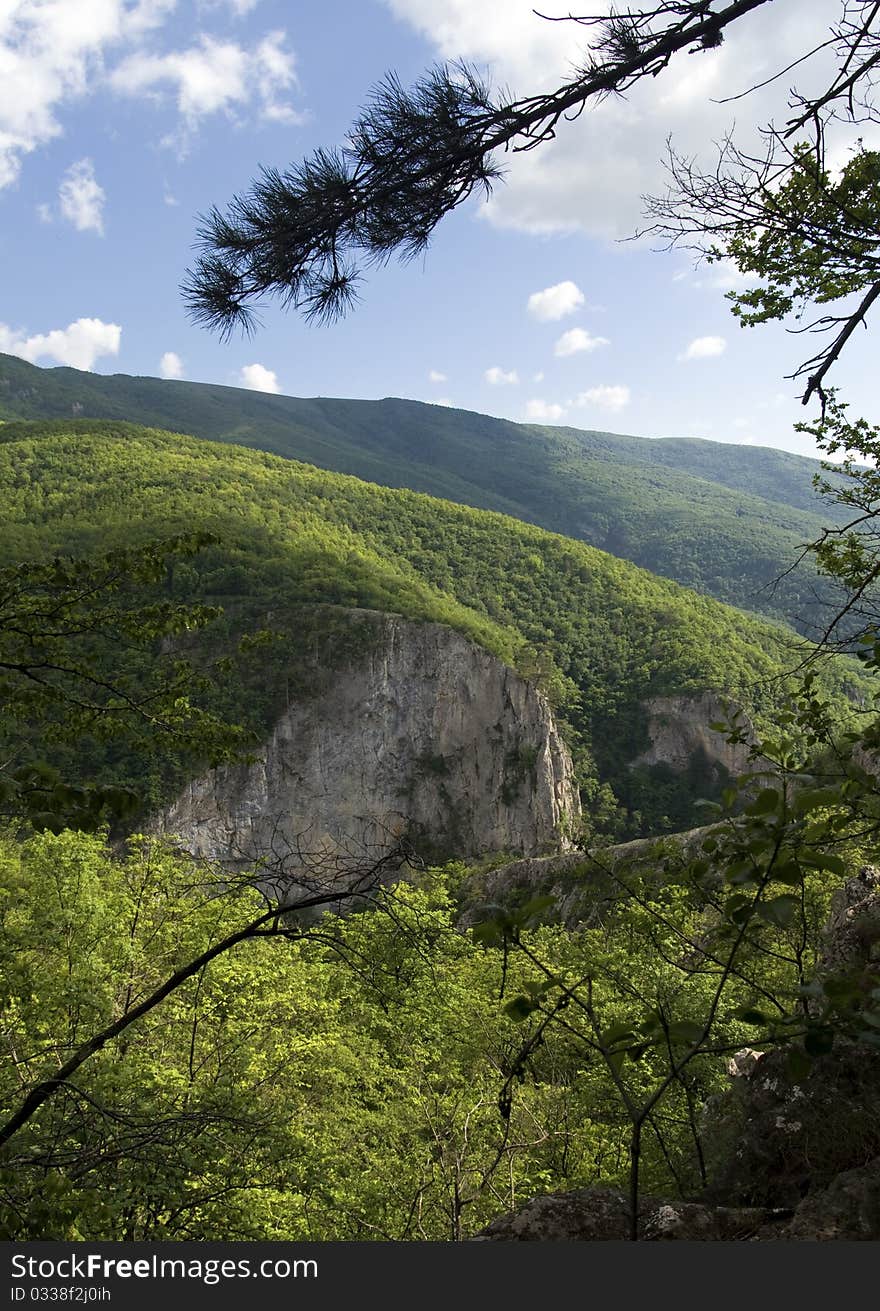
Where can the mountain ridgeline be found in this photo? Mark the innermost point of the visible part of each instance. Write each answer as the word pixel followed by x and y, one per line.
pixel 603 637
pixel 729 521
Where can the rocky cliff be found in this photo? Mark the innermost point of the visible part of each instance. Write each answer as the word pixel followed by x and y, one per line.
pixel 678 727
pixel 579 882
pixel 416 732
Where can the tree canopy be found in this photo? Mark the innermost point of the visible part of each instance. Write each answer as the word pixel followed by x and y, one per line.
pixel 87 656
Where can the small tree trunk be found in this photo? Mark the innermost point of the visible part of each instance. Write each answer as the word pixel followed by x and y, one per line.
pixel 635 1151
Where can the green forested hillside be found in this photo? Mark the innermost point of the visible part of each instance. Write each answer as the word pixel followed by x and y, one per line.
pixel 184 1062
pixel 601 633
pixel 726 520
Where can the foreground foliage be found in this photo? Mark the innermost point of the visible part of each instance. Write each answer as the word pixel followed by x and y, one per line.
pixel 397 1078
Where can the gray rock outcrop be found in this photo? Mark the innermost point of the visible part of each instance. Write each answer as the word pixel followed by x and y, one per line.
pixel 602 1215
pixel 579 881
pixel 784 1141
pixel 420 734
pixel 847 1210
pixel 853 927
pixel 678 728
pixel 791 1158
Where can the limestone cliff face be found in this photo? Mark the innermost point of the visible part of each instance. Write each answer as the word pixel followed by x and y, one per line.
pixel 421 733
pixel 678 727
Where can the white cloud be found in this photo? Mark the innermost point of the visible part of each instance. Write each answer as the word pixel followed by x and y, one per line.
pixel 498 378
pixel 436 376
pixel 275 71
pixel 52 53
pixel 56 52
pixel 258 378
pixel 544 411
pixel 606 397
pixel 704 348
pixel 144 15
pixel 526 52
pixel 44 213
pixel 82 198
pixel 171 365
pixel 576 340
pixel 78 345
pixel 538 377
pixel 555 302
pixel 592 176
pixel 723 275
pixel 239 7
pixel 215 77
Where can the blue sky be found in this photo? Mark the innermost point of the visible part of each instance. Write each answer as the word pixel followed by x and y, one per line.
pixel 121 120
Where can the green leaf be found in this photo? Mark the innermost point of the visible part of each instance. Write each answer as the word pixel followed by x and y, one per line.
pixel 534 908
pixel 824 860
pixel 686 1031
pixel 767 800
pixel 740 873
pixel 519 1008
pixel 617 1033
pixel 787 871
pixel 843 992
pixel 738 908
pixel 811 799
pixel 488 934
pixel 750 1015
pixel 780 911
pixel 616 1058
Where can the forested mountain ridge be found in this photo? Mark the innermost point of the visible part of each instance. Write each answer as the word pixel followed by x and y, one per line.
pixel 603 636
pixel 726 520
